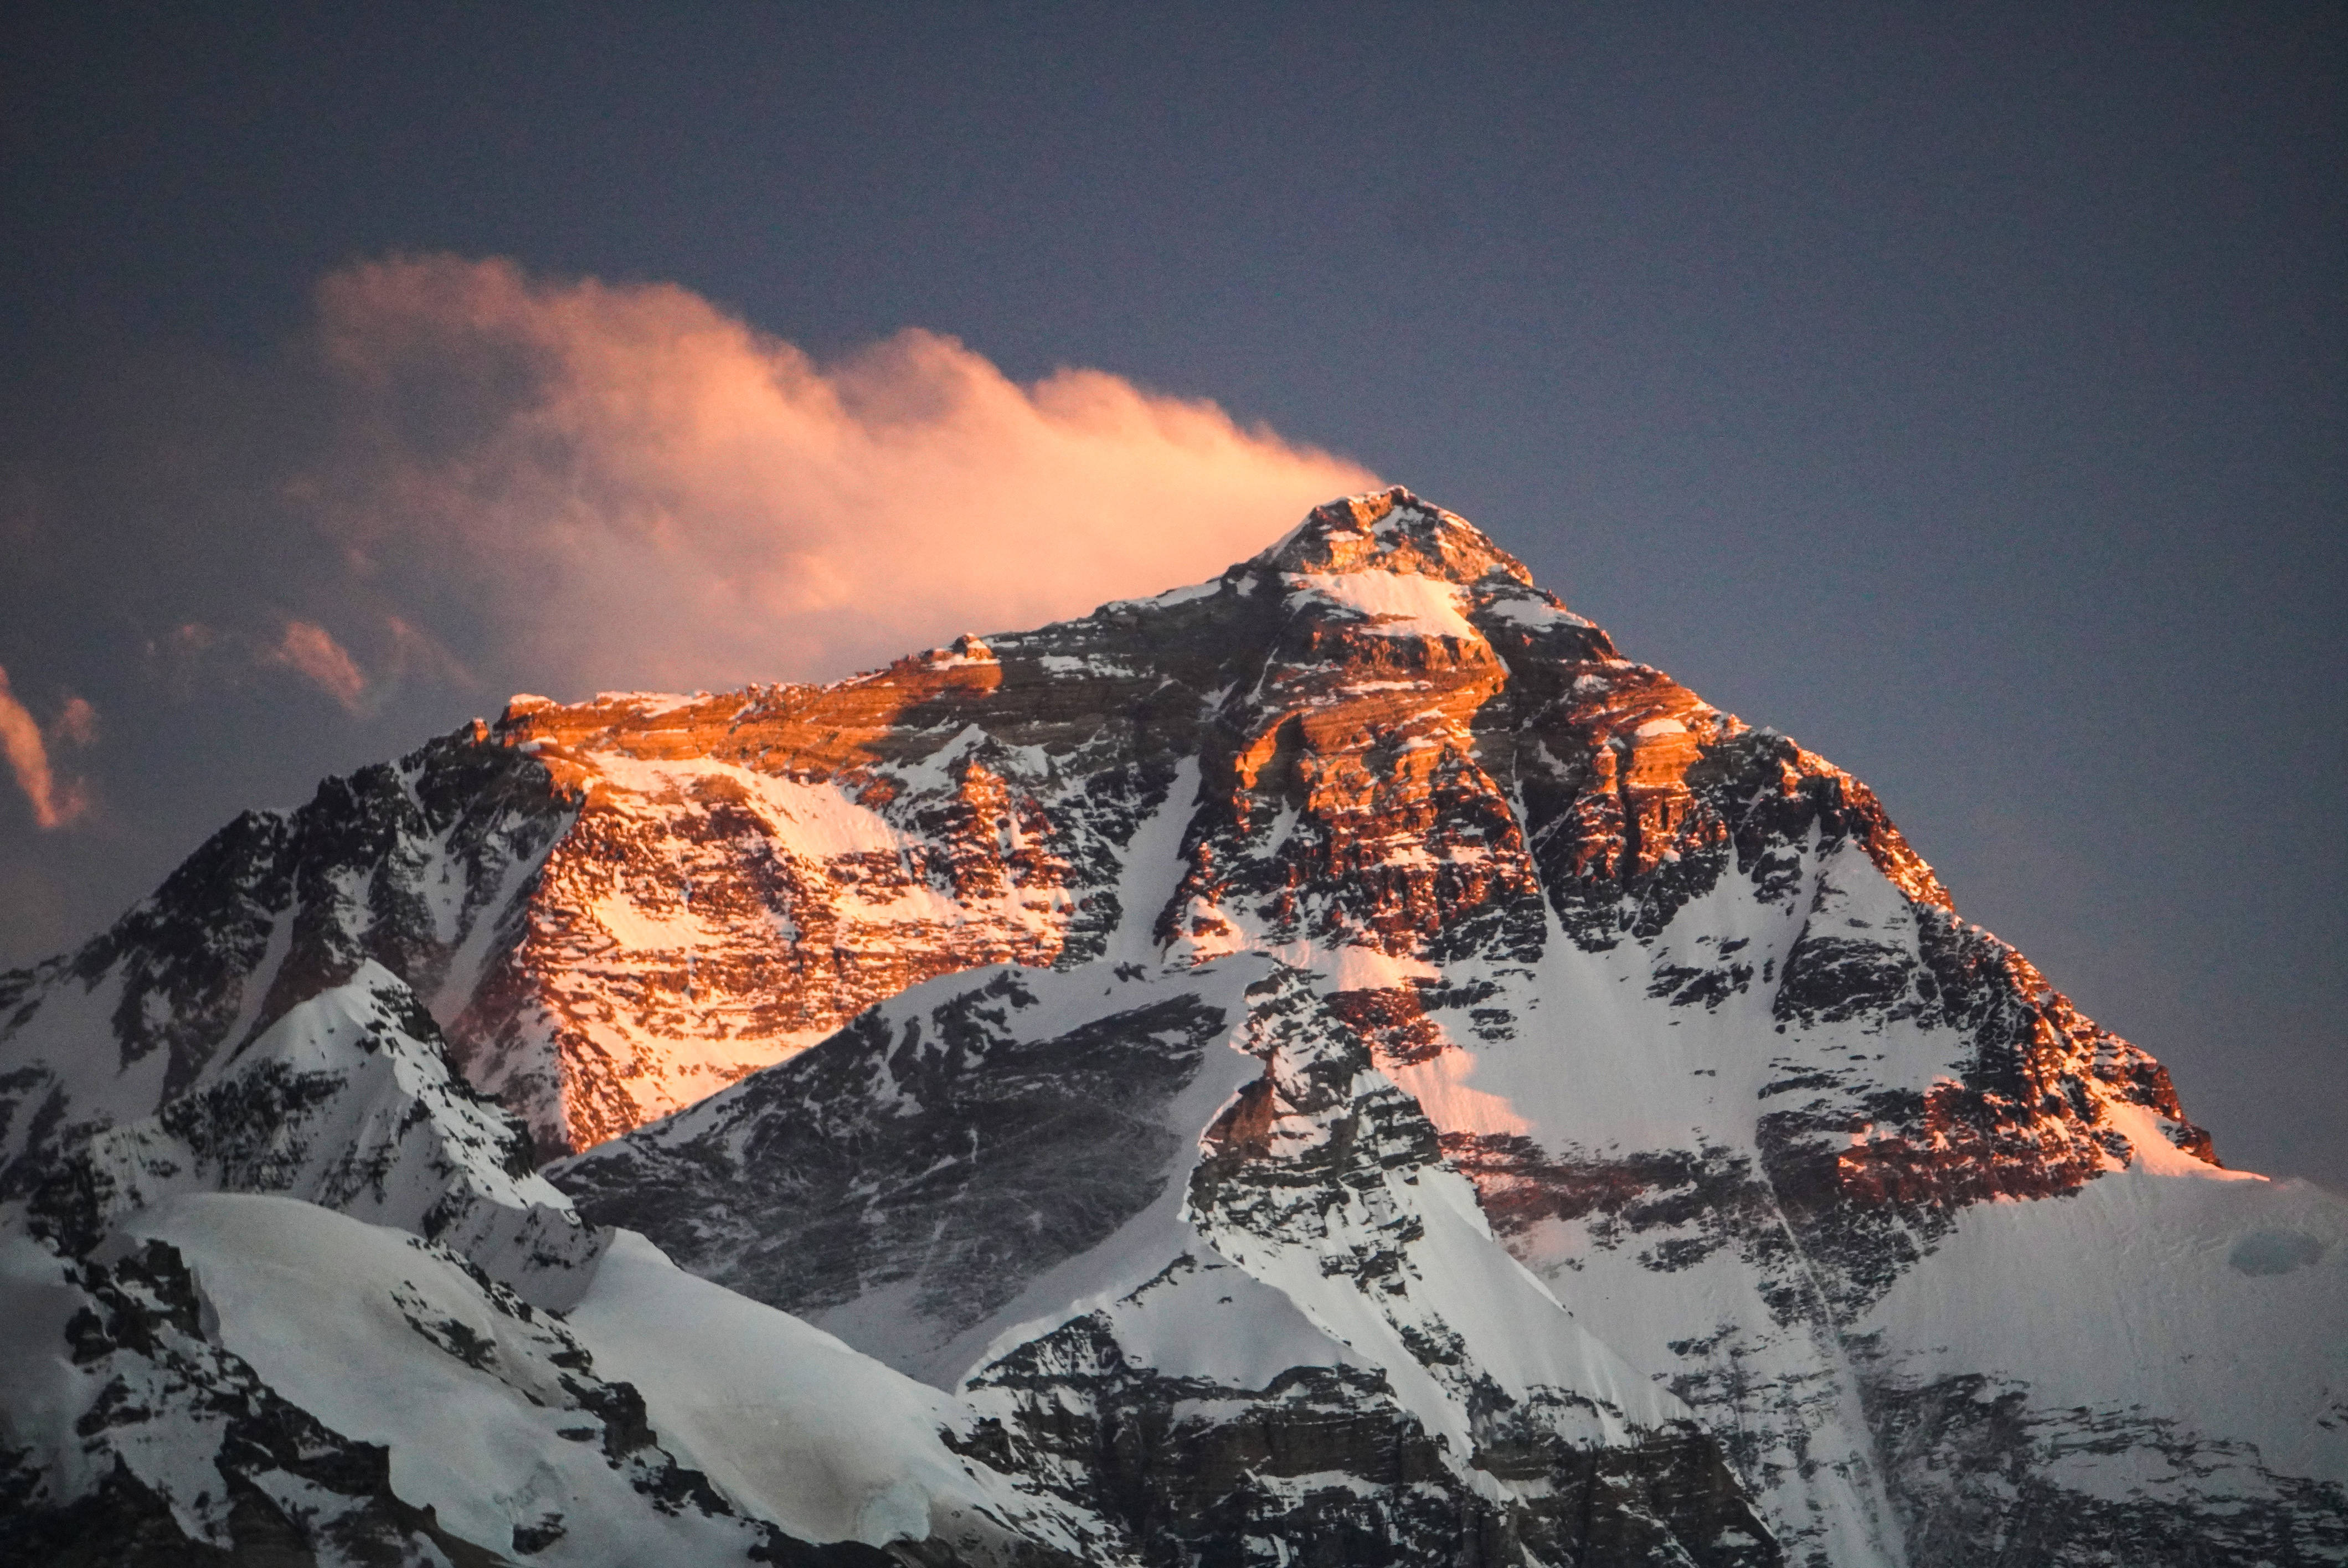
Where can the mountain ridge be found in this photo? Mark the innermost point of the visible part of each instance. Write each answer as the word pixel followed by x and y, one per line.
pixel 1355 941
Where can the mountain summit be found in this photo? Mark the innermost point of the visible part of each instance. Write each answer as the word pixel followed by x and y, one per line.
pixel 1392 532
pixel 1330 1064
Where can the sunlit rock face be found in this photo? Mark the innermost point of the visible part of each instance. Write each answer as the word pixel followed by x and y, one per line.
pixel 1356 948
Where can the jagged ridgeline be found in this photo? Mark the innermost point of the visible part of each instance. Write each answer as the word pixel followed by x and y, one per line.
pixel 1330 1065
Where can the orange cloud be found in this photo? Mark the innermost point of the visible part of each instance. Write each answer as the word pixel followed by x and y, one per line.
pixel 54 804
pixel 624 485
pixel 310 651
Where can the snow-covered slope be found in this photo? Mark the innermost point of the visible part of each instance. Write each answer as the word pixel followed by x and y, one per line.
pixel 252 1373
pixel 1360 1067
pixel 424 866
pixel 1169 1224
pixel 318 1308
pixel 1727 1072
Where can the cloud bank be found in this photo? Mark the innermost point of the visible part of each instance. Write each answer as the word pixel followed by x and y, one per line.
pixel 621 486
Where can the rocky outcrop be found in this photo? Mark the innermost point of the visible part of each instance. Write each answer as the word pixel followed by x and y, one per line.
pixel 422 866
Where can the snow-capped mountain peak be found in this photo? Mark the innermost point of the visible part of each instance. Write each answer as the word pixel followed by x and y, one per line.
pixel 1334 1063
pixel 1390 531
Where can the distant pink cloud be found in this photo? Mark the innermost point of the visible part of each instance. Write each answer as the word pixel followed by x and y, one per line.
pixel 624 486
pixel 78 723
pixel 54 804
pixel 310 651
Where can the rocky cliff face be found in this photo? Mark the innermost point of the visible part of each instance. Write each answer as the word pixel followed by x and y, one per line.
pixel 1602 1134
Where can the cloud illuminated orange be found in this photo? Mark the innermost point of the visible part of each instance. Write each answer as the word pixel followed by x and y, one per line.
pixel 624 486
pixel 55 802
pixel 312 651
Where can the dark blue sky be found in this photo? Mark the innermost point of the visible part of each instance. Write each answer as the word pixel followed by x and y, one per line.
pixel 1959 389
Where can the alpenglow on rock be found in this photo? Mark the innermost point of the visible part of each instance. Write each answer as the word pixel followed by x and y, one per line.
pixel 1329 1065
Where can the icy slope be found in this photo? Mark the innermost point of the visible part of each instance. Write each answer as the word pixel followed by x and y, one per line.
pixel 2159 1355
pixel 249 1372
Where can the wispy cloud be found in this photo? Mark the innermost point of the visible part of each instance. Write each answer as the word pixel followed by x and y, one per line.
pixel 310 651
pixel 55 802
pixel 603 484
